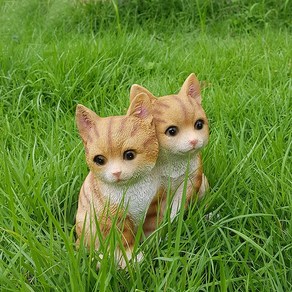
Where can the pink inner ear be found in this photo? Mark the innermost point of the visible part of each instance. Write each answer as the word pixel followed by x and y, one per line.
pixel 87 123
pixel 192 90
pixel 142 112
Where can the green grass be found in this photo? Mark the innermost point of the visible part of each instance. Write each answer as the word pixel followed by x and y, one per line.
pixel 55 54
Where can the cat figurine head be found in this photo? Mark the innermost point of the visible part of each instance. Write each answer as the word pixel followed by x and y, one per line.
pixel 119 149
pixel 181 123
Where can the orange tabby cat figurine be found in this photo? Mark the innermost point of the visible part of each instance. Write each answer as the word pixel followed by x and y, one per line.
pixel 121 153
pixel 182 131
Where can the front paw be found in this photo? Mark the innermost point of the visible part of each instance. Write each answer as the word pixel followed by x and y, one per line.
pixel 122 262
pixel 204 186
pixel 98 264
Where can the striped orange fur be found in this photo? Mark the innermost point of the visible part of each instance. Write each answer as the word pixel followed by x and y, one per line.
pixel 182 131
pixel 121 154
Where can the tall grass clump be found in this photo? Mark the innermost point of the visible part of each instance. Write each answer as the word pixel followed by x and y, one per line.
pixel 56 54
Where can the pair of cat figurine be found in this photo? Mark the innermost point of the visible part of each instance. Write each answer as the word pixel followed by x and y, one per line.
pixel 134 159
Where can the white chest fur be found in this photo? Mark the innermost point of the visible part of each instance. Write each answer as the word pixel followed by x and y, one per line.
pixel 136 198
pixel 175 167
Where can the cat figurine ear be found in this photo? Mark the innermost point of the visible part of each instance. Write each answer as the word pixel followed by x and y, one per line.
pixel 141 107
pixel 86 121
pixel 136 89
pixel 191 87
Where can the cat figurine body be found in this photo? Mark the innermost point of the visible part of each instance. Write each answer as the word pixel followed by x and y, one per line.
pixel 182 131
pixel 121 152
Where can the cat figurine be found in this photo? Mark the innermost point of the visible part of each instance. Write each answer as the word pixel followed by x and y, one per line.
pixel 182 131
pixel 121 153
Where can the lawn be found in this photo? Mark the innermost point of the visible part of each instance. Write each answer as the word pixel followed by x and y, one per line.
pixel 56 54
